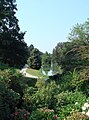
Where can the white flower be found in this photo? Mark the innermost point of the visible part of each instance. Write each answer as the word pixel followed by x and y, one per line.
pixel 87 113
pixel 83 108
pixel 83 112
pixel 86 105
pixel 76 103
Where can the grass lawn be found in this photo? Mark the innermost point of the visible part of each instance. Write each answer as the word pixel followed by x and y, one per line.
pixel 36 73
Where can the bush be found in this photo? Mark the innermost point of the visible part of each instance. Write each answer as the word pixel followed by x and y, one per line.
pixel 43 114
pixel 9 94
pixel 8 100
pixel 76 58
pixel 69 102
pixel 20 114
pixel 43 96
pixel 3 66
pixel 84 81
pixel 11 77
pixel 77 116
pixel 70 81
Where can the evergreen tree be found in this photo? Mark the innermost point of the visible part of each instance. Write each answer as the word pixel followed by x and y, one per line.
pixel 13 49
pixel 34 61
pixel 30 48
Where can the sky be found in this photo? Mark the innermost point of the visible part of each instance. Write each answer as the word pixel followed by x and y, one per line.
pixel 48 22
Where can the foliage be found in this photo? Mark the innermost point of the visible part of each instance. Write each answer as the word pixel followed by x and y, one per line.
pixel 73 53
pixel 69 102
pixel 58 53
pixel 35 60
pixel 26 81
pixel 30 49
pixel 76 58
pixel 57 56
pixel 46 62
pixel 75 80
pixel 4 107
pixel 10 91
pixel 39 114
pixel 46 59
pixel 11 78
pixel 43 114
pixel 59 97
pixel 13 50
pixel 84 80
pixel 79 34
pixel 43 96
pixel 69 81
pixel 20 114
pixel 8 100
pixel 77 116
pixel 3 66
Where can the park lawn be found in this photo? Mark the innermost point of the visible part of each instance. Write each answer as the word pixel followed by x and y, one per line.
pixel 36 73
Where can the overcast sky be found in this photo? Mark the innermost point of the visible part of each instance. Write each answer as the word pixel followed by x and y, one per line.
pixel 48 22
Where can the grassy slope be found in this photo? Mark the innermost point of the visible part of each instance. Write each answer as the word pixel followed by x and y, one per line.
pixel 36 73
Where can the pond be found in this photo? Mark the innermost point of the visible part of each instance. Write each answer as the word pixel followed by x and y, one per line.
pixel 46 72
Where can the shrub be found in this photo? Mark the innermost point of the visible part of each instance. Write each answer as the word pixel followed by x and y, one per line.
pixel 44 96
pixel 69 81
pixel 69 102
pixel 8 100
pixel 3 66
pixel 11 77
pixel 43 114
pixel 84 81
pixel 77 116
pixel 9 94
pixel 20 114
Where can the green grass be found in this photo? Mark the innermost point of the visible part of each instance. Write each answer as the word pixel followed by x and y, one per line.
pixel 36 73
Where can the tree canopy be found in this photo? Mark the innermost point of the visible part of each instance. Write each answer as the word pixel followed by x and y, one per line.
pixel 13 49
pixel 73 53
pixel 34 61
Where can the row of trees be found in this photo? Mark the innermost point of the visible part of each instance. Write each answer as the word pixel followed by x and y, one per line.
pixel 66 56
pixel 57 98
pixel 74 53
pixel 37 59
pixel 13 50
pixel 34 60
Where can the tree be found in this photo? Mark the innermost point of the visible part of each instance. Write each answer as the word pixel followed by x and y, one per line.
pixel 79 34
pixel 34 61
pixel 46 59
pixel 46 62
pixel 76 58
pixel 30 48
pixel 66 54
pixel 57 57
pixel 13 49
pixel 58 53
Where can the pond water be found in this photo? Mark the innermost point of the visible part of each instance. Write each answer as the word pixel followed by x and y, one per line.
pixel 48 73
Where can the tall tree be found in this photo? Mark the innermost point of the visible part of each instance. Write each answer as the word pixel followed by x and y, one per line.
pixel 46 59
pixel 68 54
pixel 79 34
pixel 46 62
pixel 76 58
pixel 13 49
pixel 34 61
pixel 30 48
